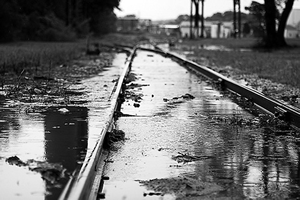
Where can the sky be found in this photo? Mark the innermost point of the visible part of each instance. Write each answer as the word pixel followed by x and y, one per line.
pixel 171 9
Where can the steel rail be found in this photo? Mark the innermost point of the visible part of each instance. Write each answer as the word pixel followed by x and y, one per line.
pixel 80 187
pixel 274 107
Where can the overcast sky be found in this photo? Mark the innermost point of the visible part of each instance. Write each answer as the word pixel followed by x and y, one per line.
pixel 170 9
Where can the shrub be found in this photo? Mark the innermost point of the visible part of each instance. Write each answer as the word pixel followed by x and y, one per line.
pixel 53 29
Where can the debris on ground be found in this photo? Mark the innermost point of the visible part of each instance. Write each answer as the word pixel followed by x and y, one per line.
pixel 281 92
pixel 15 160
pixel 136 105
pixel 53 86
pixel 133 90
pixel 152 194
pixel 182 187
pixel 179 99
pixel 51 172
pixel 112 137
pixel 63 110
pixel 185 158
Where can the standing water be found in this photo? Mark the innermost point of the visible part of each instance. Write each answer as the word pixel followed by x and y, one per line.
pixel 41 146
pixel 186 140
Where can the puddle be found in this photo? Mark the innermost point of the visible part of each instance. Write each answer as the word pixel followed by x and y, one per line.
pixel 44 137
pixel 185 48
pixel 179 149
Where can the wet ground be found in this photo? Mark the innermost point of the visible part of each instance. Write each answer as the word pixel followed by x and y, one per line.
pixel 186 140
pixel 42 145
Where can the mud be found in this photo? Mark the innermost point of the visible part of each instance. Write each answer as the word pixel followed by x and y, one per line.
pixel 49 172
pixel 282 92
pixel 47 133
pixel 183 187
pixel 53 86
pixel 113 137
pixel 207 147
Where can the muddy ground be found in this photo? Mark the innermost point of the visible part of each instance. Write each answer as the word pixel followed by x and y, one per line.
pixel 52 87
pixel 284 93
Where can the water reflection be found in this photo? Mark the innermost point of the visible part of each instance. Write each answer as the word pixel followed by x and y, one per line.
pixel 8 121
pixel 255 164
pixel 49 137
pixel 247 162
pixel 66 139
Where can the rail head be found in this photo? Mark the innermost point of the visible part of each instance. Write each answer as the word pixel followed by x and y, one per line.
pixel 279 110
pixel 80 186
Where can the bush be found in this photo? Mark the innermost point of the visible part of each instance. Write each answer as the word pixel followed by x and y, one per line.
pixel 52 34
pixel 53 29
pixel 82 28
pixel 10 22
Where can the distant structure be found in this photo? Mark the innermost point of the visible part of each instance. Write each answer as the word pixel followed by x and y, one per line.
pixel 128 23
pixel 212 29
pixel 170 30
pixel 293 25
pixel 145 25
pixel 291 32
pixel 294 17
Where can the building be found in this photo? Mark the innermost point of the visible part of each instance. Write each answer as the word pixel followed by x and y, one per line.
pixel 212 29
pixel 170 30
pixel 127 24
pixel 291 32
pixel 145 24
pixel 292 29
pixel 294 17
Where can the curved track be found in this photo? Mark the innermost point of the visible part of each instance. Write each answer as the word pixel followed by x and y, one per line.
pixel 86 184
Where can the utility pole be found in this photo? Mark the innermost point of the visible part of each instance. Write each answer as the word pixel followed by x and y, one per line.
pixel 237 23
pixel 234 18
pixel 239 18
pixel 191 21
pixel 196 2
pixel 202 19
pixel 67 12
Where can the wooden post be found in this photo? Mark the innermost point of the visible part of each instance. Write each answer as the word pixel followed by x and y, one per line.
pixel 196 2
pixel 234 18
pixel 191 21
pixel 202 18
pixel 239 18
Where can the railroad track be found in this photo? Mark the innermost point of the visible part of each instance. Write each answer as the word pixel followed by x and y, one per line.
pixel 86 184
pixel 272 106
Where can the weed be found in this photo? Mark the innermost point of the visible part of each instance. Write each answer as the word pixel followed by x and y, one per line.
pixel 112 137
pixel 280 66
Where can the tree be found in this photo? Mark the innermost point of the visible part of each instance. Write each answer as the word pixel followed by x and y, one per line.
pixel 55 19
pixel 181 18
pixel 226 16
pixel 100 13
pixel 246 29
pixel 275 37
pixel 257 18
pixel 11 22
pixel 271 23
pixel 282 22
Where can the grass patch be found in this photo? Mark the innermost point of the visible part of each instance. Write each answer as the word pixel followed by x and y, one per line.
pixel 39 58
pixel 36 57
pixel 43 71
pixel 282 65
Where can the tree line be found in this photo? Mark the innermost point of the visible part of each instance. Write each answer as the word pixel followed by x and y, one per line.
pixel 55 20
